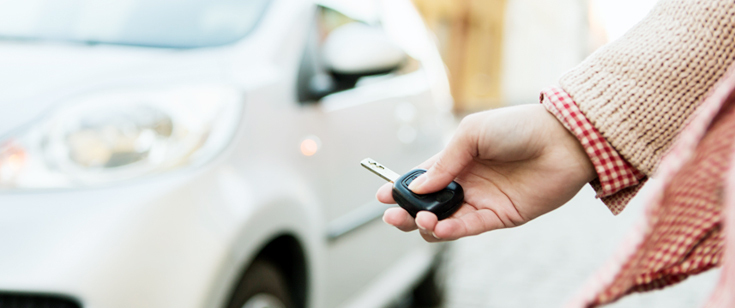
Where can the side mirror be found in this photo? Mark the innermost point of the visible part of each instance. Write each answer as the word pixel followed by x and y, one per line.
pixel 356 49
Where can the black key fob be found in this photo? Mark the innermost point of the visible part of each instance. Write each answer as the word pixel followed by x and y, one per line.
pixel 443 203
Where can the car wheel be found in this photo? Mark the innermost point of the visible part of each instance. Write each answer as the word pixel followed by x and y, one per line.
pixel 262 286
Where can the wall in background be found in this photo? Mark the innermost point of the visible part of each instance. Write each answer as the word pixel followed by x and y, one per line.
pixel 470 36
pixel 543 39
pixel 503 52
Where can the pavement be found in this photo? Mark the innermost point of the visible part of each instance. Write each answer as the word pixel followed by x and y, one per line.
pixel 545 262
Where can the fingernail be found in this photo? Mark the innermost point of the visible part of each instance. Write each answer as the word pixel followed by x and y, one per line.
pixel 420 226
pixel 416 183
pixel 434 235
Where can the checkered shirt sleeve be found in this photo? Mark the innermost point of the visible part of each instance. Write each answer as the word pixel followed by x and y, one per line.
pixel 617 180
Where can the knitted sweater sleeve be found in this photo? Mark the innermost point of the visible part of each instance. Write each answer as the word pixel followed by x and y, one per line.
pixel 640 90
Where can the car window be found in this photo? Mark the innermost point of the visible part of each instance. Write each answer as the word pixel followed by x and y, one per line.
pixel 158 23
pixel 314 79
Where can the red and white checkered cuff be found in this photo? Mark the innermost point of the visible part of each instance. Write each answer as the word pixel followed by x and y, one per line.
pixel 614 173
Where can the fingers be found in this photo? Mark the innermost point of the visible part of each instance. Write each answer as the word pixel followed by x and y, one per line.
pixel 429 162
pixel 429 237
pixel 426 221
pixel 447 164
pixel 385 193
pixel 400 219
pixel 471 223
pixel 466 222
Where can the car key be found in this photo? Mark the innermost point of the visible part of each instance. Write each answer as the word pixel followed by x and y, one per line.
pixel 443 203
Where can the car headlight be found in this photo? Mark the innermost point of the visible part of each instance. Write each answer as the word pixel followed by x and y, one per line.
pixel 120 135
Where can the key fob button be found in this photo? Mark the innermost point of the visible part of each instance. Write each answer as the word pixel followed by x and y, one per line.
pixel 442 203
pixel 412 176
pixel 444 196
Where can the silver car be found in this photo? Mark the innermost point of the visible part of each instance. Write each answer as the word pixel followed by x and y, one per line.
pixel 205 153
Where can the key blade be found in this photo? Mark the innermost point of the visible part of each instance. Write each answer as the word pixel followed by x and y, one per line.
pixel 380 170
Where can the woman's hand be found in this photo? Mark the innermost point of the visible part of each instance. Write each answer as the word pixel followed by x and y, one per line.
pixel 514 164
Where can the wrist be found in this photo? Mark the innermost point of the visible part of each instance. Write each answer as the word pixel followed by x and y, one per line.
pixel 614 173
pixel 563 142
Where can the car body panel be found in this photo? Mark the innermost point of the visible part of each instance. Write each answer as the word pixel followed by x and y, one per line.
pixel 183 238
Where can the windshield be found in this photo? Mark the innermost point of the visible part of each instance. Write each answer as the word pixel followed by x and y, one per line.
pixel 159 23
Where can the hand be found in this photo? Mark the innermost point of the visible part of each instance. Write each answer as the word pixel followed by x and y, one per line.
pixel 514 163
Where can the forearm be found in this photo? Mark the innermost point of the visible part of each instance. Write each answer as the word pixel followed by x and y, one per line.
pixel 640 90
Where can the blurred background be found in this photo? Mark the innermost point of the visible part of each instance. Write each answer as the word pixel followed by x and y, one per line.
pixel 176 153
pixel 501 52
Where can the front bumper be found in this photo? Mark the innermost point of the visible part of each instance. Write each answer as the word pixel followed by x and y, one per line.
pixel 155 243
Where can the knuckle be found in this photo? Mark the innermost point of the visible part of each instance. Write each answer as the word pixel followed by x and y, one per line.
pixel 467 122
pixel 475 118
pixel 468 129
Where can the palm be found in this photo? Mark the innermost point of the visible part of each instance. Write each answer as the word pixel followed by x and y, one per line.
pixel 515 192
pixel 534 168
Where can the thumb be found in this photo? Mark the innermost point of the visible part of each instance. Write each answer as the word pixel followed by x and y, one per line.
pixel 447 165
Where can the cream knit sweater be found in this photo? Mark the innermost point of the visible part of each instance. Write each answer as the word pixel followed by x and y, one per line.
pixel 640 90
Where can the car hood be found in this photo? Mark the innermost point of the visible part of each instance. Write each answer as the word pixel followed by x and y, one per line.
pixel 34 76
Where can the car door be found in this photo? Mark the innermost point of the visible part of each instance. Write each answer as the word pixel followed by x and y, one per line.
pixel 390 117
pixel 312 128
